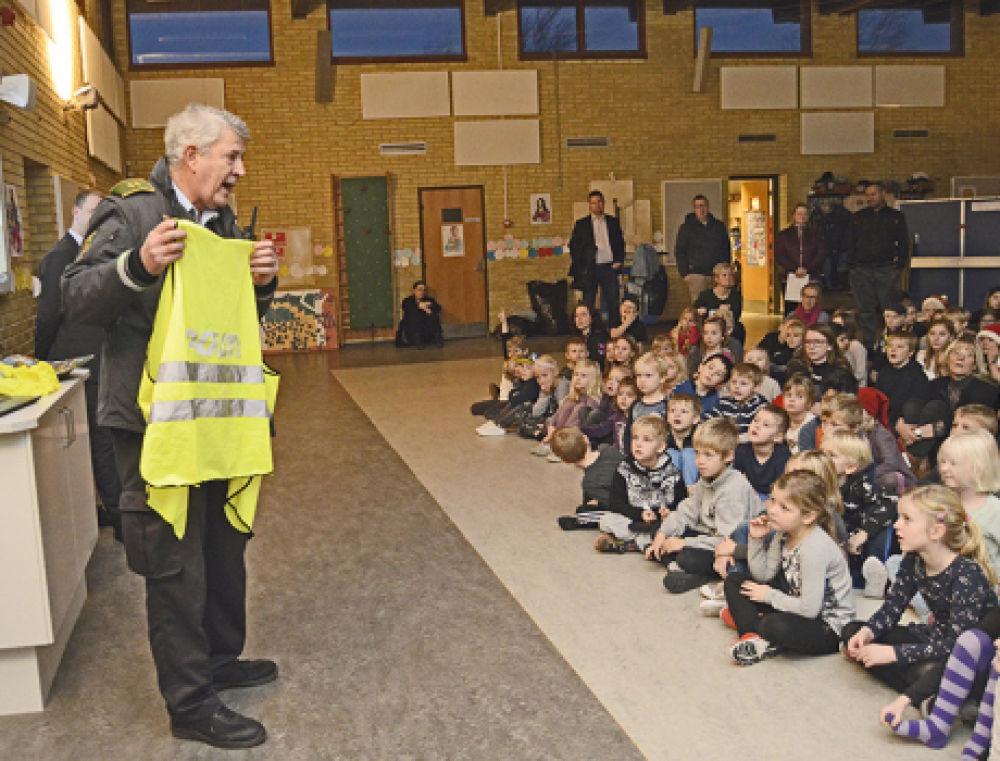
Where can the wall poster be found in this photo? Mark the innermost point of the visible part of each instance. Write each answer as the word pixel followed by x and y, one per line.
pixel 453 240
pixel 541 208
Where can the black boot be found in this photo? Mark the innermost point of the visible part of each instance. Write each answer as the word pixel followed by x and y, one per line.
pixel 224 729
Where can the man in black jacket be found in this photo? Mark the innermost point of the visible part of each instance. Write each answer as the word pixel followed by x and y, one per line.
pixel 879 250
pixel 196 585
pixel 702 242
pixel 597 248
pixel 57 339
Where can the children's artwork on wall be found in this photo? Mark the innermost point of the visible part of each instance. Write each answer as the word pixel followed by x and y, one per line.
pixel 756 239
pixel 541 208
pixel 453 240
pixel 294 248
pixel 301 321
pixel 15 227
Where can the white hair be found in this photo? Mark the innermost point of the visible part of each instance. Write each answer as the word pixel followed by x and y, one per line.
pixel 200 126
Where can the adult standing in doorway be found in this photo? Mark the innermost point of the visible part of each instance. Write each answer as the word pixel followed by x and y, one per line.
pixel 879 249
pixel 799 250
pixel 597 248
pixel 56 339
pixel 702 242
pixel 195 583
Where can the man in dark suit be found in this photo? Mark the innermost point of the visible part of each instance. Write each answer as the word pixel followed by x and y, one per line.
pixel 57 339
pixel 597 249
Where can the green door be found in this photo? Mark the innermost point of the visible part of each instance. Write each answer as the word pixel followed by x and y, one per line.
pixel 369 252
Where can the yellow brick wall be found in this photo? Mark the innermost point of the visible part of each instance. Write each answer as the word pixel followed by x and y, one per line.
pixel 659 130
pixel 33 147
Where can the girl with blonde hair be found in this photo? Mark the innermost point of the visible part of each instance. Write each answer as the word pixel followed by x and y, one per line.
pixel 584 391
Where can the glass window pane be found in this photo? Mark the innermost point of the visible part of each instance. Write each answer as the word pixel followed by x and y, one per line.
pixel 548 29
pixel 901 31
pixel 200 37
pixel 611 27
pixel 749 30
pixel 396 32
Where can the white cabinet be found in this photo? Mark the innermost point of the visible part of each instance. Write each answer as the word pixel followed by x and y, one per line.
pixel 47 510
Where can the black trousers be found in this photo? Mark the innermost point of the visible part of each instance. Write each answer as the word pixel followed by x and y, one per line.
pixel 605 277
pixel 195 586
pixel 790 631
pixel 693 560
pixel 917 681
pixel 102 454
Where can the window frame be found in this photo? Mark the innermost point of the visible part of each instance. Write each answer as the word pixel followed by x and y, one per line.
pixel 957 35
pixel 581 38
pixel 805 36
pixel 462 57
pixel 133 66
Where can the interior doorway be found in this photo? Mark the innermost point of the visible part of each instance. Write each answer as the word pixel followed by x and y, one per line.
pixel 452 236
pixel 753 211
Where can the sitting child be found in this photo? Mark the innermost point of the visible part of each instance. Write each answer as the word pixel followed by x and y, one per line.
pixel 576 350
pixel 868 511
pixel 975 417
pixel 622 352
pixel 514 349
pixel 683 414
pixel 769 388
pixel 902 377
pixel 798 593
pixel 649 372
pixel 782 345
pixel 599 467
pixel 532 419
pixel 714 340
pixel 685 333
pixel 675 372
pixel 704 384
pixel 525 393
pixel 743 401
pixel 596 424
pixel 798 398
pixel 763 457
pixel 585 392
pixel 892 472
pixel 647 487
pixel 721 499
pixel 662 345
pixel 628 393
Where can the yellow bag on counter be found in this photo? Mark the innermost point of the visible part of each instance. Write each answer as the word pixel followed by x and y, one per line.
pixel 34 380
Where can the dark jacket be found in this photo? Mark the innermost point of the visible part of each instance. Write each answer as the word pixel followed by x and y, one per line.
pixel 108 286
pixel 636 488
pixel 597 346
pixel 867 506
pixel 711 302
pixel 701 246
pixel 583 249
pixel 879 238
pixel 54 337
pixel 900 384
pixel 976 391
pixel 790 252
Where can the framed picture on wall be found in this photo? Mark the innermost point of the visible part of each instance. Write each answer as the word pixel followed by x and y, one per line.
pixel 12 214
pixel 541 208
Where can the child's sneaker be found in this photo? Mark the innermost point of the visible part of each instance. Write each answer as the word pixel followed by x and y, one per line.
pixel 712 608
pixel 554 458
pixel 542 450
pixel 490 429
pixel 714 591
pixel 570 523
pixel 751 649
pixel 875 578
pixel 609 543
pixel 727 618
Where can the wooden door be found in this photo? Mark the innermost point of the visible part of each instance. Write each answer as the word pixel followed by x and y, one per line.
pixel 453 241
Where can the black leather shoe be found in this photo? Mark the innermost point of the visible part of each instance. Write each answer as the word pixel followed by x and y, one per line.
pixel 224 729
pixel 244 674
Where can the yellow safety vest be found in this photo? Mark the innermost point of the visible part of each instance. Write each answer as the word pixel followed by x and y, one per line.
pixel 206 393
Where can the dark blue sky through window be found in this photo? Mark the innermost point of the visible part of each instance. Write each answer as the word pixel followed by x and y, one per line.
pixel 548 29
pixel 748 30
pixel 396 32
pixel 201 37
pixel 901 31
pixel 608 28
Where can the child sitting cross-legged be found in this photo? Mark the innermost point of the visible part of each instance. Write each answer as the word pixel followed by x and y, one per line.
pixel 599 467
pixel 585 392
pixel 597 424
pixel 723 497
pixel 763 457
pixel 768 387
pixel 683 414
pixel 525 392
pixel 743 401
pixel 647 486
pixel 798 593
pixel 532 418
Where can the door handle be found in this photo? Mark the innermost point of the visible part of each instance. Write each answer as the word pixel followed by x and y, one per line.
pixel 67 432
pixel 480 265
pixel 72 426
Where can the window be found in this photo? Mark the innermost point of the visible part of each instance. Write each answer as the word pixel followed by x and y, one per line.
pixel 199 32
pixel 581 28
pixel 748 30
pixel 929 30
pixel 397 30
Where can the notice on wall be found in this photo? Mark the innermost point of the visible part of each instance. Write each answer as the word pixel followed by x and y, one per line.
pixel 755 242
pixel 453 240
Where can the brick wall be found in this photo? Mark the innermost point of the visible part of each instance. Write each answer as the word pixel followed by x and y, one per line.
pixel 659 130
pixel 33 147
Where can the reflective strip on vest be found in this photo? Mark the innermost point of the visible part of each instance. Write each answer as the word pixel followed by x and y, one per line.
pixel 192 409
pixel 203 372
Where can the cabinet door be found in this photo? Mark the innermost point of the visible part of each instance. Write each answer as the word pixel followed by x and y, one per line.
pixel 82 502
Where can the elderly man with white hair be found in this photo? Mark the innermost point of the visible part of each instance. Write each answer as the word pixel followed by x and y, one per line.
pixel 196 584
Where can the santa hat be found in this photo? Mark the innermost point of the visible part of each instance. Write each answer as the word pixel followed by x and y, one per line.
pixel 992 332
pixel 933 302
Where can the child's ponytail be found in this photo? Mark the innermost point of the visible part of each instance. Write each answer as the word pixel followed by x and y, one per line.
pixel 975 549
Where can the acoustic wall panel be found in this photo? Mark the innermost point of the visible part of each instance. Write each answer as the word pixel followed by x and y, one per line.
pixel 495 93
pixel 103 139
pixel 909 86
pixel 100 71
pixel 836 86
pixel 496 143
pixel 156 100
pixel 405 95
pixel 759 87
pixel 838 133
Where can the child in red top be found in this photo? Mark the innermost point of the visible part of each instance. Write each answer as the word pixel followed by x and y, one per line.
pixel 686 333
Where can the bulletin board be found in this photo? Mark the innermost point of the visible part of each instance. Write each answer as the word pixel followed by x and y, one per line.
pixel 303 320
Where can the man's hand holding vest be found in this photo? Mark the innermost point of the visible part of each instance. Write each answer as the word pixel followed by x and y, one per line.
pixel 263 262
pixel 164 245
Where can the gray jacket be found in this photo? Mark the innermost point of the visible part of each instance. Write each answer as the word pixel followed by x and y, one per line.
pixel 108 286
pixel 714 510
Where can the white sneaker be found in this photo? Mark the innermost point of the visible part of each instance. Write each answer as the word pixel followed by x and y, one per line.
pixel 542 450
pixel 714 591
pixel 751 649
pixel 490 429
pixel 875 578
pixel 673 567
pixel 711 608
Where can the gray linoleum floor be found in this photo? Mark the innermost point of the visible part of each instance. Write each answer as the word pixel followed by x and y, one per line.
pixel 394 638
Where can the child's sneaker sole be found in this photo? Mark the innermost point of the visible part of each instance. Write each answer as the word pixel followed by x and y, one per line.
pixel 751 649
pixel 712 608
